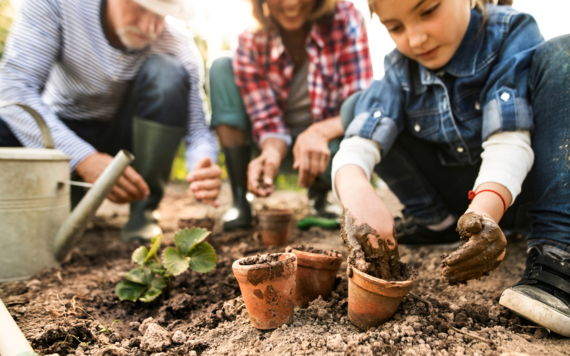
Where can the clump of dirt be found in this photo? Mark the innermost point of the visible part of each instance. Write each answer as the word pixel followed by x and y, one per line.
pixel 205 223
pixel 311 249
pixel 260 259
pixel 380 262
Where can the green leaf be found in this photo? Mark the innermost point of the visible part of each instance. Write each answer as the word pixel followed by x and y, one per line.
pixel 139 256
pixel 127 290
pixel 150 295
pixel 157 268
pixel 140 275
pixel 203 258
pixel 185 239
pixel 158 283
pixel 174 262
pixel 154 246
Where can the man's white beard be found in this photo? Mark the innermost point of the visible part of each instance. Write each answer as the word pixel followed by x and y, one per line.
pixel 129 38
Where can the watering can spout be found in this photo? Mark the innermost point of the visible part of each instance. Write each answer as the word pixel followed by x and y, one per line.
pixel 75 224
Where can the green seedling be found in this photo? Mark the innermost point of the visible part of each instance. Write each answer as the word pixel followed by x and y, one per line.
pixel 106 329
pixel 147 282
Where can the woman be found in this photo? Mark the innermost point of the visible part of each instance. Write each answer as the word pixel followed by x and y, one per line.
pixel 285 85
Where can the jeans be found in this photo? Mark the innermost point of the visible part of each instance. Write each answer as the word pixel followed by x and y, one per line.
pixel 430 191
pixel 228 109
pixel 159 93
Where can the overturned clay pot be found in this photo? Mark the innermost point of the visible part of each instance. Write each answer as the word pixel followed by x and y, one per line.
pixel 204 223
pixel 316 273
pixel 267 284
pixel 275 226
pixel 373 301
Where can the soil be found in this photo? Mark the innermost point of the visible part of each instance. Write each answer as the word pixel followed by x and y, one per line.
pixel 381 262
pixel 72 310
pixel 260 259
pixel 311 249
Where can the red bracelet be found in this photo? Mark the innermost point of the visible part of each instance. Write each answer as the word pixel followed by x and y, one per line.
pixel 472 196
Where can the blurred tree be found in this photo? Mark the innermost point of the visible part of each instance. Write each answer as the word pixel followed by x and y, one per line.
pixel 6 14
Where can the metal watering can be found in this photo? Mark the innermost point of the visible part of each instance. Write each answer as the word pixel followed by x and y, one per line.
pixel 37 227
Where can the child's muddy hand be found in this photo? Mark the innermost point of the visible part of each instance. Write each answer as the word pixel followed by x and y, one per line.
pixel 371 252
pixel 482 252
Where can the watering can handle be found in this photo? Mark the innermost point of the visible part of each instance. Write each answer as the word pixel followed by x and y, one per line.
pixel 46 135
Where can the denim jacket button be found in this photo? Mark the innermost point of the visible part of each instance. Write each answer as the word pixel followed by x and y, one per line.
pixel 505 96
pixel 377 114
pixel 417 127
pixel 477 106
pixel 460 149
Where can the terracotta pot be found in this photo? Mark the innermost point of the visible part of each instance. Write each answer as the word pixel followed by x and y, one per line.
pixel 205 223
pixel 268 290
pixel 372 301
pixel 275 226
pixel 316 274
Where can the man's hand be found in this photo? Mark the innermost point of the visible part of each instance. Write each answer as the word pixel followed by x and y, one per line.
pixel 483 251
pixel 205 181
pixel 130 187
pixel 263 169
pixel 312 156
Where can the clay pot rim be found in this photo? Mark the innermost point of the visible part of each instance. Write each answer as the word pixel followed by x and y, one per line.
pixel 378 285
pixel 317 260
pixel 289 259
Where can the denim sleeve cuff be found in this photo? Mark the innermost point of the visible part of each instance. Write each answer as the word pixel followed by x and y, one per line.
pixel 374 126
pixel 284 137
pixel 357 151
pixel 506 113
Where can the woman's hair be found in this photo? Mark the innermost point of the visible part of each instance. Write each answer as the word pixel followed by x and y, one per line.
pixel 323 9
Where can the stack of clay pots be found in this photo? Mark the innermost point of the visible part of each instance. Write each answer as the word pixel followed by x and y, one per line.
pixel 272 285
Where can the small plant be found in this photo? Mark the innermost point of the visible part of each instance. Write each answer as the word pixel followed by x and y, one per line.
pixel 147 282
pixel 106 329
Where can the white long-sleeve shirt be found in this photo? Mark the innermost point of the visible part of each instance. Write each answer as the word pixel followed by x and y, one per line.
pixel 506 159
pixel 58 61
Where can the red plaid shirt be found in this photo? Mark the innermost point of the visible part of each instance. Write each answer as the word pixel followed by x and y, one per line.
pixel 339 65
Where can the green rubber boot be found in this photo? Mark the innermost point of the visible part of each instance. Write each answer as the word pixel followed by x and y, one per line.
pixel 240 215
pixel 154 147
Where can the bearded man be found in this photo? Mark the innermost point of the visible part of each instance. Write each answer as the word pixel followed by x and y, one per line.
pixel 108 75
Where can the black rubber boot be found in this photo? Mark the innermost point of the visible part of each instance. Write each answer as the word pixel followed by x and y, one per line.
pixel 154 147
pixel 239 216
pixel 319 203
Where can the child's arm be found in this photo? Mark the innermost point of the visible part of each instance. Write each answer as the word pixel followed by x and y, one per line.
pixel 352 169
pixel 507 158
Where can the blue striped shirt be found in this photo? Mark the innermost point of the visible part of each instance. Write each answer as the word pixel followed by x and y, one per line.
pixel 58 61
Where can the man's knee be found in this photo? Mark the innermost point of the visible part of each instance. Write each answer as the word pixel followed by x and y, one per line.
pixel 165 73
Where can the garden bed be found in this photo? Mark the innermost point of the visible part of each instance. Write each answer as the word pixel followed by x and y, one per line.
pixel 73 309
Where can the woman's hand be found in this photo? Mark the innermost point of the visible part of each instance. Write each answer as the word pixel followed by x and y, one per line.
pixel 371 220
pixel 311 150
pixel 130 186
pixel 205 181
pixel 312 156
pixel 263 169
pixel 482 252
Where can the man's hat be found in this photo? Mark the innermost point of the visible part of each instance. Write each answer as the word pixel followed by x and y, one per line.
pixel 180 9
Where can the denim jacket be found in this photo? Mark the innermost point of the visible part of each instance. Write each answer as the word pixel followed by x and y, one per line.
pixel 481 91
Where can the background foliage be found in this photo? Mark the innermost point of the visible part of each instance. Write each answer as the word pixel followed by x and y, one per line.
pixel 6 14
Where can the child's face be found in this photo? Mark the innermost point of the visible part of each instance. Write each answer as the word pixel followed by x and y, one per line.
pixel 426 31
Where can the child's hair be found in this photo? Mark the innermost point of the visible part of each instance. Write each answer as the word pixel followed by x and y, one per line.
pixel 323 9
pixel 476 4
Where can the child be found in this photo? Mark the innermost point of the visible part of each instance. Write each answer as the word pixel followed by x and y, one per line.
pixel 463 93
